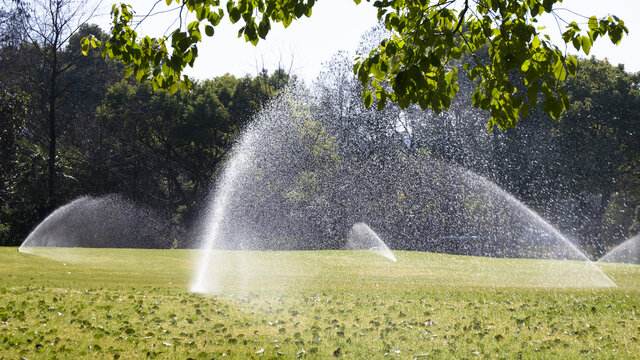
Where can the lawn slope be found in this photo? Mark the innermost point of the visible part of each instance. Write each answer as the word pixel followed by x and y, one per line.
pixel 135 304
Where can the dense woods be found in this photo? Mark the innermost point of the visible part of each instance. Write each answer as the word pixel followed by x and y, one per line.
pixel 111 134
pixel 72 125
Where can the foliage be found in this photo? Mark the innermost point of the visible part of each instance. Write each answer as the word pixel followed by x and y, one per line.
pixel 163 149
pixel 427 37
pixel 600 133
pixel 13 14
pixel 135 304
pixel 602 124
pixel 413 65
pixel 13 112
pixel 37 62
pixel 25 205
pixel 81 82
pixel 13 115
pixel 159 149
pixel 579 166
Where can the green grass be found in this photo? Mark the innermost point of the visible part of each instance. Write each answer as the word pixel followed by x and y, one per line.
pixel 134 304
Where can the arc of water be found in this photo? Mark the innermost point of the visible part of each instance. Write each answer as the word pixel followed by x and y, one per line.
pixel 58 212
pixel 361 236
pixel 234 168
pixel 606 281
pixel 627 251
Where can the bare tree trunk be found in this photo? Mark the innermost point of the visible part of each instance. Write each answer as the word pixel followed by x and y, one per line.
pixel 52 133
pixel 599 242
pixel 51 24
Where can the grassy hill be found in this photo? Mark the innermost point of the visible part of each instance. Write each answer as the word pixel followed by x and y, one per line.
pixel 124 304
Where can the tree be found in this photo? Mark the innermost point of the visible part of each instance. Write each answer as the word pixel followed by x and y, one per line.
pixel 82 88
pixel 578 171
pixel 600 137
pixel 163 149
pixel 413 65
pixel 12 16
pixel 50 25
pixel 13 114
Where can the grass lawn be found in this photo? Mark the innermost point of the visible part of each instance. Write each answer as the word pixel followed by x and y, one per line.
pixel 135 304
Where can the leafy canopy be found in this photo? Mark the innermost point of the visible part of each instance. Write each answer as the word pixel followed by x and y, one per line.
pixel 496 40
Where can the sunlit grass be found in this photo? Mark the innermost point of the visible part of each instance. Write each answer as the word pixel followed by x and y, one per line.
pixel 108 303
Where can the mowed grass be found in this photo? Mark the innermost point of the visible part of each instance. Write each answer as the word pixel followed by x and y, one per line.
pixel 136 304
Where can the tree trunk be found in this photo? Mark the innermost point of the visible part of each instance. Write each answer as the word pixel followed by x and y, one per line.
pixel 52 133
pixel 600 243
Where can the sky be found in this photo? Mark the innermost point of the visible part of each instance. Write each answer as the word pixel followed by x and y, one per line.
pixel 337 25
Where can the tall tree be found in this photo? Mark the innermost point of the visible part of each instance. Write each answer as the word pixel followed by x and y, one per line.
pixel 13 115
pixel 51 24
pixel 163 149
pixel 601 137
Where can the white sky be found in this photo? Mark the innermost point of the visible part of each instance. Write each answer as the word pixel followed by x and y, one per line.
pixel 338 25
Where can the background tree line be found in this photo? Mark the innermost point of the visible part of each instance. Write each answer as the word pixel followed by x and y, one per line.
pixel 72 125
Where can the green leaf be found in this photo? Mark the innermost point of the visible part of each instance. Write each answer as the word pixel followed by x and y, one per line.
pixel 234 15
pixel 586 44
pixel 184 86
pixel 572 65
pixel 208 29
pixel 525 110
pixel 286 22
pixel 157 58
pixel 535 43
pixel 214 18
pixel 404 102
pixel 559 71
pixel 616 32
pixel 556 109
pixel 532 93
pixel 367 98
pixel 263 28
pixel 381 95
pixel 193 25
pixel 576 43
pixel 128 72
